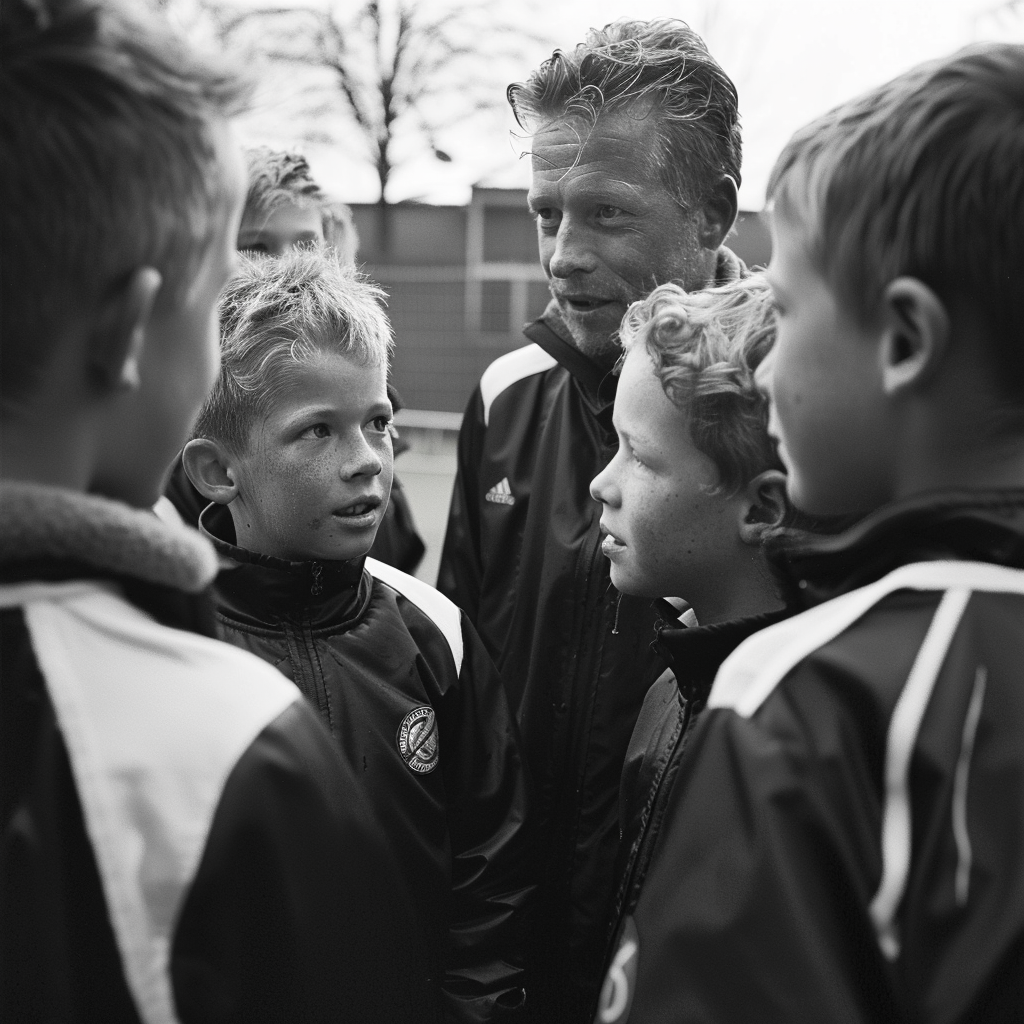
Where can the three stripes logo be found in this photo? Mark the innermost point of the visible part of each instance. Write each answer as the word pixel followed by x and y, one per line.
pixel 500 493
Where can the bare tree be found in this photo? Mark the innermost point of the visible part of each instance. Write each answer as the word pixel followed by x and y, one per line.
pixel 400 74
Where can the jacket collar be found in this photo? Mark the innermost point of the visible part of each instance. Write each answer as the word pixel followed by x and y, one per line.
pixel 57 533
pixel 264 590
pixel 985 526
pixel 696 653
pixel 596 383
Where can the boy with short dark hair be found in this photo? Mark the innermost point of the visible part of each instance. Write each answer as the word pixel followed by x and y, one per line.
pixel 844 836
pixel 180 839
pixel 294 451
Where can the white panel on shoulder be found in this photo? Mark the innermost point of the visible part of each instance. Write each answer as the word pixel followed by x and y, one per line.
pixel 750 674
pixel 154 719
pixel 507 369
pixel 442 612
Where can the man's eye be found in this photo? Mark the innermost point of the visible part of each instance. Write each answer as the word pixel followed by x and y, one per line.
pixel 381 423
pixel 318 430
pixel 546 216
pixel 608 212
pixel 253 247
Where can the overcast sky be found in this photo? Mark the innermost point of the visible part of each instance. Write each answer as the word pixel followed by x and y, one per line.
pixel 790 60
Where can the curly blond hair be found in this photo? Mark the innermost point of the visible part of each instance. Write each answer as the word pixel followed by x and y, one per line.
pixel 705 347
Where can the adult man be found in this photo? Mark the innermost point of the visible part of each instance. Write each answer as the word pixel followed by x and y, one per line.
pixel 636 157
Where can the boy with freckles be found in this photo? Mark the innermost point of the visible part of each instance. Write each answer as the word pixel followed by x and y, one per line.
pixel 843 839
pixel 688 500
pixel 294 453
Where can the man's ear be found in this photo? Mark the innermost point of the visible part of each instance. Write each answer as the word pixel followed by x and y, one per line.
pixel 915 334
pixel 207 465
pixel 117 341
pixel 764 505
pixel 719 211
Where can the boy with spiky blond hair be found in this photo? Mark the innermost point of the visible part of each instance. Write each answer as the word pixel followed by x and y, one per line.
pixel 180 840
pixel 843 839
pixel 293 451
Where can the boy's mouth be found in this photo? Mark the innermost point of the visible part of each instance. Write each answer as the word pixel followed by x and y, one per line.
pixel 359 513
pixel 610 544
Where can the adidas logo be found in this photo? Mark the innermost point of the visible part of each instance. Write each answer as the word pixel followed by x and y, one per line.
pixel 500 493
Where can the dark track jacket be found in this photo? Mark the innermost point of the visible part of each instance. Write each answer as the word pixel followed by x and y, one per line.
pixel 522 557
pixel 180 840
pixel 669 713
pixel 419 712
pixel 844 839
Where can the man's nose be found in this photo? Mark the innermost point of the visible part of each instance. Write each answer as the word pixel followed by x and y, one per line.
pixel 572 252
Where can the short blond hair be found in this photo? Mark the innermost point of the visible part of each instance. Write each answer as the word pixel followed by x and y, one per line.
pixel 280 312
pixel 706 346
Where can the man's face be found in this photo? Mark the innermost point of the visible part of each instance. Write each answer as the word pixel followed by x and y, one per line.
pixel 315 480
pixel 823 378
pixel 608 228
pixel 284 228
pixel 667 533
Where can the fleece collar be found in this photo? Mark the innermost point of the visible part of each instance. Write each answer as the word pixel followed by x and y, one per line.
pixel 41 524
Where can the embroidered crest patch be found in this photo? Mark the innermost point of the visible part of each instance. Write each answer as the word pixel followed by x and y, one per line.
pixel 417 740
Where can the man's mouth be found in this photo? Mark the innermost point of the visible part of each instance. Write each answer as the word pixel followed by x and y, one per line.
pixel 584 303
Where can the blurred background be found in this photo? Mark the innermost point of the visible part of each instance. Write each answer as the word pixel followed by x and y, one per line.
pixel 399 106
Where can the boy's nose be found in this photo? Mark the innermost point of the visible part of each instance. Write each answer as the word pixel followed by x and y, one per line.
pixel 601 488
pixel 763 374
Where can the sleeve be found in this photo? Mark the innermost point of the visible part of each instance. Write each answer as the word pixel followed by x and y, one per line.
pixel 754 906
pixel 461 567
pixel 297 911
pixel 493 855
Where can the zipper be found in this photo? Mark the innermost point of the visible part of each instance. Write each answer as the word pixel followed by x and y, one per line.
pixel 317 570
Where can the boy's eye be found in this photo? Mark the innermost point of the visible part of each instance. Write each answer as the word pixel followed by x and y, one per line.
pixel 381 423
pixel 318 430
pixel 253 247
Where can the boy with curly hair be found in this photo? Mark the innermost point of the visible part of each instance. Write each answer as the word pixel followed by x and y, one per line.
pixel 689 498
pixel 843 838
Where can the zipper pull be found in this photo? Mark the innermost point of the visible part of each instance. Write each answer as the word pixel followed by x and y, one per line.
pixel 317 570
pixel 615 627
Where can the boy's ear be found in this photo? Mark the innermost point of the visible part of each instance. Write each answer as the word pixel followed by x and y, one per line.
pixel 915 337
pixel 719 213
pixel 207 466
pixel 764 506
pixel 117 341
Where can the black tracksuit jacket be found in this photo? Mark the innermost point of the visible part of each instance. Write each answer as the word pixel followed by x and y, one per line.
pixel 522 556
pixel 844 836
pixel 420 714
pixel 293 908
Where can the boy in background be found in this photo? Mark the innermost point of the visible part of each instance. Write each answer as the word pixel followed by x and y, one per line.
pixel 689 497
pixel 294 451
pixel 180 839
pixel 285 208
pixel 844 836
